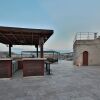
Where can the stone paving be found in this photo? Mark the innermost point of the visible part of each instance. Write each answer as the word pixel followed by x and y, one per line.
pixel 67 82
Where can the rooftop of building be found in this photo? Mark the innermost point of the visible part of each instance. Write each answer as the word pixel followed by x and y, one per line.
pixel 86 37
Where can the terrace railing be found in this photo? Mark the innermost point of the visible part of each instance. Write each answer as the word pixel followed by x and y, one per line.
pixel 86 36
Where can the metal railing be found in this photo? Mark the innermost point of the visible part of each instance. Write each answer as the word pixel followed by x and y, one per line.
pixel 86 36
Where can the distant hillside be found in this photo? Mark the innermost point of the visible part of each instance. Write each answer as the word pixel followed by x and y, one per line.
pixel 64 51
pixel 5 53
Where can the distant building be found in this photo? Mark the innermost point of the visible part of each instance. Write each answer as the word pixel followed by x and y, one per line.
pixel 66 56
pixel 5 54
pixel 86 49
pixel 69 56
pixel 47 54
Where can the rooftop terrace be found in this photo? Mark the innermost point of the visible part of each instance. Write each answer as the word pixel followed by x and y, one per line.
pixel 86 36
pixel 67 82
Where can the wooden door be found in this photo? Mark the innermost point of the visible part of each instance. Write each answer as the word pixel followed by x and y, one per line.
pixel 85 58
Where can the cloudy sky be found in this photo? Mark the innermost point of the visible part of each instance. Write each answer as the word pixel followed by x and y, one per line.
pixel 65 17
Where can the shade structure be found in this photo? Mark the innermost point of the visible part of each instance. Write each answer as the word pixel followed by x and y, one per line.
pixel 23 36
pixel 26 36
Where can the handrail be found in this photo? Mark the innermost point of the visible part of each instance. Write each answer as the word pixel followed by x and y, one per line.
pixel 86 36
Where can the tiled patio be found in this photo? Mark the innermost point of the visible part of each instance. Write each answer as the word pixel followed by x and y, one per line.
pixel 67 82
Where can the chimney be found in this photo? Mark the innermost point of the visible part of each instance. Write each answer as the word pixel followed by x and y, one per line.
pixel 95 35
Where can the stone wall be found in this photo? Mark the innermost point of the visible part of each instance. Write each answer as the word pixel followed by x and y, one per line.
pixel 93 48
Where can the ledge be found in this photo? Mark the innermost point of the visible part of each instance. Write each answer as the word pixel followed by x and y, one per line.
pixel 5 59
pixel 34 59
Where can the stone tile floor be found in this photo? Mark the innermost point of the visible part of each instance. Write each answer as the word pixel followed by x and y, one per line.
pixel 67 82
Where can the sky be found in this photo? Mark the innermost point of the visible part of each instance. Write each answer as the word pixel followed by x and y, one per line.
pixel 65 17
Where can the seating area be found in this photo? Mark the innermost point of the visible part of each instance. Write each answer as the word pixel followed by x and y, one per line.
pixel 23 36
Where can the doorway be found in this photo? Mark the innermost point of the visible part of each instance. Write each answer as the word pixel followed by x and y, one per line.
pixel 85 58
